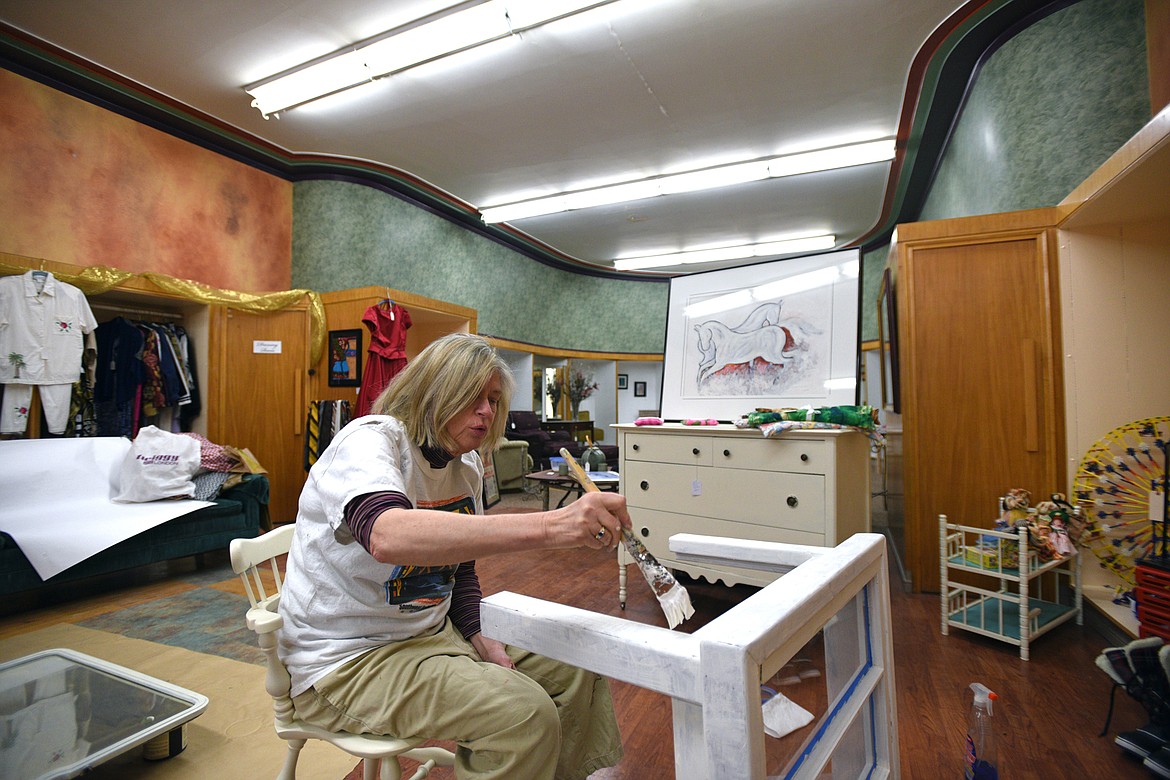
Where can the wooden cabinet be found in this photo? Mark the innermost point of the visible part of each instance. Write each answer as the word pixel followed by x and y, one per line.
pixel 805 487
pixel 253 370
pixel 982 396
pixel 259 370
pixel 1027 336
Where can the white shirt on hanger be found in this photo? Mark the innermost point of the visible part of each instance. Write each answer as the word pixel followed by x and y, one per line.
pixel 43 322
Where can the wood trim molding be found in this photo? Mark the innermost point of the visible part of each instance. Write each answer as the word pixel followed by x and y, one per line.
pixel 580 354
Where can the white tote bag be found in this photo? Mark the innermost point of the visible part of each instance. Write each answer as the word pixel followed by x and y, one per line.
pixel 159 465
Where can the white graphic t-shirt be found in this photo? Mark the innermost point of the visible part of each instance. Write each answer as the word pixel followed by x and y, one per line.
pixel 338 601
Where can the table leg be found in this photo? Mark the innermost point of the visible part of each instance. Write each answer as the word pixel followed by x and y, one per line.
pixel 621 576
pixel 544 488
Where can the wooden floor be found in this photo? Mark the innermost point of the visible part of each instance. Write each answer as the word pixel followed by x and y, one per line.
pixel 1049 714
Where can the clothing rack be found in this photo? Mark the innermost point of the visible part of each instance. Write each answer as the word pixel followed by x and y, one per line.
pixel 136 312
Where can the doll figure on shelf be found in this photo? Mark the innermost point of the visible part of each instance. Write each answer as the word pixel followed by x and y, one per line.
pixel 1013 510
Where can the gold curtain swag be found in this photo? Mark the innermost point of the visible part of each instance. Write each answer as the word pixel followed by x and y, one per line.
pixel 99 279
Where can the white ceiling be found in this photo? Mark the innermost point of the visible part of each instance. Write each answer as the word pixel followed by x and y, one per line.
pixel 640 85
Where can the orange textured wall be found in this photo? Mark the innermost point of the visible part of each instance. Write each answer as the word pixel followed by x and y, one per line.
pixel 83 185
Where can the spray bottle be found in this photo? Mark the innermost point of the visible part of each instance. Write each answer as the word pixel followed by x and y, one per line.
pixel 982 762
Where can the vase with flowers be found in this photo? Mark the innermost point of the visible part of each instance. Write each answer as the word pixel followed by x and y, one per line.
pixel 554 389
pixel 581 386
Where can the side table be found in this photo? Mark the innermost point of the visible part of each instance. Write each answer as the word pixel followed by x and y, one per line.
pixel 606 480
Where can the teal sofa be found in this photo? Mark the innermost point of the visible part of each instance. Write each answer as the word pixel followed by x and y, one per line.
pixel 238 512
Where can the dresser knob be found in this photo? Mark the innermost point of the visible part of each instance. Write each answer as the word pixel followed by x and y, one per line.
pixel 792 501
pixel 645 532
pixel 694 450
pixel 727 453
pixel 804 457
pixel 644 485
pixel 636 448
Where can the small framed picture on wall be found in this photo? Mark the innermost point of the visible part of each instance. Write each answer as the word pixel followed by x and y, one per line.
pixel 345 358
pixel 623 381
pixel 639 389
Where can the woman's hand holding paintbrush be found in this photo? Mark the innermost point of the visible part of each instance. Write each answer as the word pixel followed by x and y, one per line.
pixel 674 599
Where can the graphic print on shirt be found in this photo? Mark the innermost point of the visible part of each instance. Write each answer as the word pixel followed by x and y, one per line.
pixel 418 588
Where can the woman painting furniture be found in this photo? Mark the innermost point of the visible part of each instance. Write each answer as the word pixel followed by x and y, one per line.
pixel 381 601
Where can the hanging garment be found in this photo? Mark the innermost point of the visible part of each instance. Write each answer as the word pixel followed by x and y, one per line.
pixel 144 373
pixel 387 323
pixel 43 322
pixel 325 419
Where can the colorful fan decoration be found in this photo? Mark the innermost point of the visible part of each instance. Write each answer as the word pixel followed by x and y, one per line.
pixel 1115 484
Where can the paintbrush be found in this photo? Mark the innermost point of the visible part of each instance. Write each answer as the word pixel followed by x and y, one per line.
pixel 673 598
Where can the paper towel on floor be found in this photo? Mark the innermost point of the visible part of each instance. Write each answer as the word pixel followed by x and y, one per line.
pixel 783 716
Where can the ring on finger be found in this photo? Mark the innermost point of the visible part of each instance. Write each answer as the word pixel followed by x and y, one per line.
pixel 599 535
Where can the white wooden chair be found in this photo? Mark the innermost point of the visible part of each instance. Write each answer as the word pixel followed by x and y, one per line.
pixel 252 557
pixel 713 675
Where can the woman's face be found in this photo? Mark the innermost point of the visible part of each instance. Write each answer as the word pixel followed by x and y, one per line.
pixel 469 428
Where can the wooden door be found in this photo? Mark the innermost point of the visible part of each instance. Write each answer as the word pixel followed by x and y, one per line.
pixel 260 365
pixel 982 397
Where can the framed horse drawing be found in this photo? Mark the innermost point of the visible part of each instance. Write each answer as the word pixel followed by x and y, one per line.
pixel 782 333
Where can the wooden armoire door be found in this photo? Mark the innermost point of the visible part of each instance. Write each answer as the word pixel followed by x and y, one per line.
pixel 260 365
pixel 980 373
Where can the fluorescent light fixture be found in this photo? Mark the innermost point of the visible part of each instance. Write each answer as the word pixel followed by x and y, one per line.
pixel 741 252
pixel 769 291
pixel 392 52
pixel 701 179
pixel 829 159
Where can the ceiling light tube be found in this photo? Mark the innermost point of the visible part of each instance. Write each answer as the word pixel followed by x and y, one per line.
pixel 709 178
pixel 386 54
pixel 450 34
pixel 738 252
pixel 603 196
pixel 830 159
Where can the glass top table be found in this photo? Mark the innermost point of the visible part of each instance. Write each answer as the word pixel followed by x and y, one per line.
pixel 63 712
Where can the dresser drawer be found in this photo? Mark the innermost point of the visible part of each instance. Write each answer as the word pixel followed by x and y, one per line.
pixel 793 501
pixel 654 529
pixel 805 456
pixel 694 450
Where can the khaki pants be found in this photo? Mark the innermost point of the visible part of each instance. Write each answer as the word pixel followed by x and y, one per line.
pixel 542 720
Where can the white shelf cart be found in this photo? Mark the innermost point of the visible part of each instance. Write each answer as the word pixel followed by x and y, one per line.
pixel 1014 604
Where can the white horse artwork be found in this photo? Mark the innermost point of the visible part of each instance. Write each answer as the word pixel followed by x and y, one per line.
pixel 762 353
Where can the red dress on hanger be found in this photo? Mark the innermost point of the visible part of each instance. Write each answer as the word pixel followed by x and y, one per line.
pixel 387 323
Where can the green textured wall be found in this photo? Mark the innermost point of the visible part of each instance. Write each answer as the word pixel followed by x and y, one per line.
pixel 350 235
pixel 873 264
pixel 1047 108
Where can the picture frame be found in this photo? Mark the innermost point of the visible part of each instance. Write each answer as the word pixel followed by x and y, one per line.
pixel 345 358
pixel 639 389
pixel 623 381
pixel 777 334
pixel 491 482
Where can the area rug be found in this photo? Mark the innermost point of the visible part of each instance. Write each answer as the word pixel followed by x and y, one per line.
pixel 233 738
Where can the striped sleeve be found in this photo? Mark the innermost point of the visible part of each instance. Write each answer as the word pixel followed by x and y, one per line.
pixel 361 512
pixel 465 600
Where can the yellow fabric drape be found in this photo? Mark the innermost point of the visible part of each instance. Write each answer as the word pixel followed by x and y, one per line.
pixel 99 279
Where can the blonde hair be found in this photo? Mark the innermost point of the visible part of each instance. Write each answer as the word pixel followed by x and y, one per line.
pixel 440 383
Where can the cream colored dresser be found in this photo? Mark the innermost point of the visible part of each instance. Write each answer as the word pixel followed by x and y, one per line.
pixel 804 487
